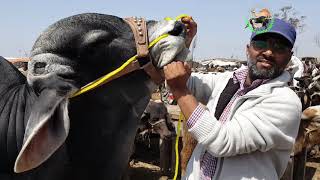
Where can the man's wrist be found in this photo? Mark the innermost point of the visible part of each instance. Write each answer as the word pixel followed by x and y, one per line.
pixel 188 43
pixel 178 93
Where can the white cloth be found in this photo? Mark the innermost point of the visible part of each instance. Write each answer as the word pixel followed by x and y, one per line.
pixel 315 72
pixel 297 68
pixel 257 141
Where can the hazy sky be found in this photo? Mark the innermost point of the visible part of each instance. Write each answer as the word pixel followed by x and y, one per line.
pixel 221 24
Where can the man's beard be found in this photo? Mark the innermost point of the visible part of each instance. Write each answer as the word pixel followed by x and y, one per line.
pixel 256 73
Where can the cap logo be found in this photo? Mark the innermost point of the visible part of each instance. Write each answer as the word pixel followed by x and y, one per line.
pixel 261 25
pixel 260 22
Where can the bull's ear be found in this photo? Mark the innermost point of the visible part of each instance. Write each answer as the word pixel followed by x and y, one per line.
pixel 47 127
pixel 169 122
pixel 145 117
pixel 299 79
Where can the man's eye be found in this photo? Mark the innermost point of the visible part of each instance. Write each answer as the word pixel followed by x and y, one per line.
pixel 260 44
pixel 280 47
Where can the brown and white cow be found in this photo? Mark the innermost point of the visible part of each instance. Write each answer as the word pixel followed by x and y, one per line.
pixel 309 131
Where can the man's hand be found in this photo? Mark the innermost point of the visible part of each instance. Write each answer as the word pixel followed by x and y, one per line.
pixel 191 26
pixel 177 75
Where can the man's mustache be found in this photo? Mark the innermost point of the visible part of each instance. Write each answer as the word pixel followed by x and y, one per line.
pixel 262 59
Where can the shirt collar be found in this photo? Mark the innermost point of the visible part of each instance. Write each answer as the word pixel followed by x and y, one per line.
pixel 240 75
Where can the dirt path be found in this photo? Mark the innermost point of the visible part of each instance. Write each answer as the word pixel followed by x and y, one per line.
pixel 313 169
pixel 141 170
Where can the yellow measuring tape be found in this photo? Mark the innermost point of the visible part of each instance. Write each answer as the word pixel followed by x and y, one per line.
pixel 177 18
pixel 181 117
pixel 176 169
pixel 104 78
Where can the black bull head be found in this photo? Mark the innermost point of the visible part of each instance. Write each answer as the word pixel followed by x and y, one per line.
pixel 157 118
pixel 89 136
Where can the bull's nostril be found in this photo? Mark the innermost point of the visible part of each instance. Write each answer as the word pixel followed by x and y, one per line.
pixel 178 29
pixel 39 67
pixel 40 64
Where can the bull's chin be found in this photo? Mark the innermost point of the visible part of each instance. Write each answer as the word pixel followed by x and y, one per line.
pixel 184 55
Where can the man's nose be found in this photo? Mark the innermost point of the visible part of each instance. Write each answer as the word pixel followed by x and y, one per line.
pixel 268 52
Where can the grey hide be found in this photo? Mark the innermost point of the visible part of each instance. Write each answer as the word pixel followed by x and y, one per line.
pixel 89 136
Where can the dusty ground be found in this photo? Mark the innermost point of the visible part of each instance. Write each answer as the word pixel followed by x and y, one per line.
pixel 142 170
pixel 313 169
pixel 145 163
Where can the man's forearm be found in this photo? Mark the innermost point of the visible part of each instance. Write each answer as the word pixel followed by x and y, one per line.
pixel 187 102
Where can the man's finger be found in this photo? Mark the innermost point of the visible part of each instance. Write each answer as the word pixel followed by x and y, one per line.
pixel 166 72
pixel 169 70
pixel 186 64
pixel 187 67
pixel 186 19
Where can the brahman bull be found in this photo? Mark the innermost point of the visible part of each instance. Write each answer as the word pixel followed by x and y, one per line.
pixel 45 134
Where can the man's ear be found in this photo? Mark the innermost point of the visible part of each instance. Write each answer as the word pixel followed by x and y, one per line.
pixel 47 127
pixel 248 46
pixel 247 50
pixel 289 58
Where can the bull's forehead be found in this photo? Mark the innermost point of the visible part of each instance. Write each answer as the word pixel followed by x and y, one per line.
pixel 58 40
pixel 158 111
pixel 68 33
pixel 158 114
pixel 160 28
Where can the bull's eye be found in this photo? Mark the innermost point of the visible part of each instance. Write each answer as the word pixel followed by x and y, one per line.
pixel 153 120
pixel 39 67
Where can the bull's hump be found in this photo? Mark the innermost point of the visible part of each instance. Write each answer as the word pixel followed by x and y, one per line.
pixel 68 33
